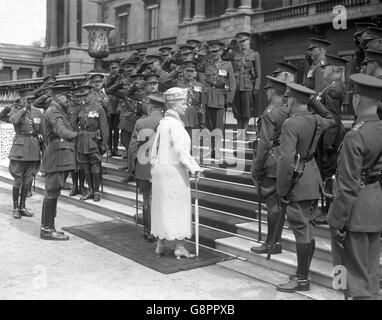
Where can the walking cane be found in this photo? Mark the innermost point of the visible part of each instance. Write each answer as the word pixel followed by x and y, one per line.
pixel 136 204
pixel 34 184
pixel 196 218
pixel 101 176
pixel 259 237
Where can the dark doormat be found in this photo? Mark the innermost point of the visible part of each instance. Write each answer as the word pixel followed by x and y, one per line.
pixel 126 240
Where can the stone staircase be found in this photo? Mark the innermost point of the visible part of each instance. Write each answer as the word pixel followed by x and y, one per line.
pixel 228 210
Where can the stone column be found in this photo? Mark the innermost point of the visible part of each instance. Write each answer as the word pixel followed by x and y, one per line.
pixel 200 10
pixel 34 72
pixel 53 24
pixel 73 22
pixel 230 7
pixel 187 11
pixel 48 19
pixel 14 73
pixel 66 22
pixel 246 6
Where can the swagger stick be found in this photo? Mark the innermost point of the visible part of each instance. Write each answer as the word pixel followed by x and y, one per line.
pixel 196 218
pixel 136 204
pixel 259 236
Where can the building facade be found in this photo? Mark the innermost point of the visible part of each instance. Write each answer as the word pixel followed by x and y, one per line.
pixel 280 28
pixel 19 62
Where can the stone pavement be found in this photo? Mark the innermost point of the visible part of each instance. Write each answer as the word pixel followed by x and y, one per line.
pixel 77 269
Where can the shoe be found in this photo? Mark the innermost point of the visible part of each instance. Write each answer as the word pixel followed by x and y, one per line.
pixel 74 192
pixel 115 153
pixel 125 168
pixel 151 238
pixel 97 197
pixel 128 179
pixel 52 234
pixel 16 213
pixel 25 213
pixel 87 197
pixel 29 194
pixel 160 248
pixel 182 252
pixel 124 157
pixel 264 248
pixel 294 285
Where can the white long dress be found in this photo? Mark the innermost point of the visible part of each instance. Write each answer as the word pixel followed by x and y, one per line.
pixel 171 215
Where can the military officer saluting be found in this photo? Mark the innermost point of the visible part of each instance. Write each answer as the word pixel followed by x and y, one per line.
pixel 92 140
pixel 247 69
pixel 355 216
pixel 194 117
pixel 25 154
pixel 317 51
pixel 97 82
pixel 298 178
pixel 265 162
pixel 58 158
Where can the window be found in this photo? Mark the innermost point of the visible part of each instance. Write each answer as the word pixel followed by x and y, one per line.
pixel 215 8
pixel 153 22
pixel 122 14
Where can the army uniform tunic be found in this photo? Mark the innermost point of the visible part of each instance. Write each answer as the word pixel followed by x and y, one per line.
pixel 357 206
pixel 25 154
pixel 264 162
pixel 59 157
pixel 332 98
pixel 194 117
pixel 247 68
pixel 220 90
pixel 314 79
pixel 297 135
pixel 92 123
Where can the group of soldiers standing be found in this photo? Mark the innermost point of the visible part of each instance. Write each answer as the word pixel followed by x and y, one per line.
pixel 304 155
pixel 296 159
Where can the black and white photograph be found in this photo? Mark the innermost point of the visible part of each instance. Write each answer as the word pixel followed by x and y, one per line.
pixel 206 152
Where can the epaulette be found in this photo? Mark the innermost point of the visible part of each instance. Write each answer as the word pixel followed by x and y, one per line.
pixel 358 126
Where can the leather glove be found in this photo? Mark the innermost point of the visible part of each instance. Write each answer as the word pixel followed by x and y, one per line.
pixel 338 235
pixel 255 93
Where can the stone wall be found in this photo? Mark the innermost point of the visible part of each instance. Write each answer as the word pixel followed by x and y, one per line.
pixel 6 139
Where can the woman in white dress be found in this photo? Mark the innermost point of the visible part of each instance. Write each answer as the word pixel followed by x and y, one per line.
pixel 171 209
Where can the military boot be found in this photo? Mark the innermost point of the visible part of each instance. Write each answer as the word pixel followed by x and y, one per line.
pixel 81 181
pixel 15 195
pixel 90 194
pixel 23 211
pixel 48 231
pixel 96 184
pixel 75 189
pixel 29 193
pixel 301 282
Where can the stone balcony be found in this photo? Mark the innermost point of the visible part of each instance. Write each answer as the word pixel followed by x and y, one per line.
pixel 258 22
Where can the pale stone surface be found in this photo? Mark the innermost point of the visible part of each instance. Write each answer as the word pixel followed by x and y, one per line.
pixel 77 269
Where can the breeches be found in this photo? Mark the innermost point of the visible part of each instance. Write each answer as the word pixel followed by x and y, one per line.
pixel 242 105
pixel 85 161
pixel 215 118
pixel 54 183
pixel 145 187
pixel 300 216
pixel 125 138
pixel 23 172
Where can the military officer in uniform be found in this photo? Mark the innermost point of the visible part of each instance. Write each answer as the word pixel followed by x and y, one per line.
pixel 194 118
pixel 43 95
pixel 96 80
pixel 317 51
pixel 285 72
pixel 355 216
pixel 298 178
pixel 332 97
pixel 220 87
pixel 58 158
pixel 265 160
pixel 139 157
pixel 92 141
pixel 25 154
pixel 113 115
pixel 360 44
pixel 247 69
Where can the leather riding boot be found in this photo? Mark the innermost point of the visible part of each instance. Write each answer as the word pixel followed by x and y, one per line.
pixel 15 195
pixel 89 180
pixel 75 189
pixel 301 282
pixel 312 247
pixel 29 192
pixel 48 231
pixel 81 182
pixel 96 184
pixel 23 196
